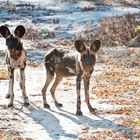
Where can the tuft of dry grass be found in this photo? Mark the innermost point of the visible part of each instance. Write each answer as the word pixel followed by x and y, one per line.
pixel 3 74
pixel 36 33
pixel 33 63
pixel 11 7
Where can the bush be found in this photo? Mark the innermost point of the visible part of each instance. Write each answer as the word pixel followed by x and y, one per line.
pixel 118 30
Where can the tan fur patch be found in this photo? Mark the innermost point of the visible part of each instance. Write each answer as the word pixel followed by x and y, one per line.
pixel 19 63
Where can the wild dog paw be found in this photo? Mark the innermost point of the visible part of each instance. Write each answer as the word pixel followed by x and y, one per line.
pixel 93 110
pixel 46 105
pixel 58 104
pixel 79 113
pixel 26 104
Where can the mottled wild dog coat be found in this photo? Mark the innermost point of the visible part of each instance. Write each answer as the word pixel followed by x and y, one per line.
pixel 15 58
pixel 80 63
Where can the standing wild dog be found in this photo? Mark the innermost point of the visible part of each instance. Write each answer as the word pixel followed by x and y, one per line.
pixel 67 63
pixel 15 58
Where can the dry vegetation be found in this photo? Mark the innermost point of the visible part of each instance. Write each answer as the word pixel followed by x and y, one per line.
pixel 134 3
pixel 3 74
pixel 11 135
pixel 118 30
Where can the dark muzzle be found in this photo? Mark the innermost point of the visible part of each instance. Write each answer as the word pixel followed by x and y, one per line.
pixel 12 43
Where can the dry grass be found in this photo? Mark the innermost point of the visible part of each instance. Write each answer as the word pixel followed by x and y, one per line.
pixel 11 135
pixel 36 33
pixel 11 7
pixel 3 74
pixel 125 2
pixel 116 30
pixel 33 63
pixel 113 31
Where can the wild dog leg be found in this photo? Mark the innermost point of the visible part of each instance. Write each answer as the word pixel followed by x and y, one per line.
pixel 9 72
pixel 86 87
pixel 11 86
pixel 49 78
pixel 22 86
pixel 56 83
pixel 78 87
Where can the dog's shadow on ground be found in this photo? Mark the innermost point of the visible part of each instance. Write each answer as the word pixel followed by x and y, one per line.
pixel 96 121
pixel 51 123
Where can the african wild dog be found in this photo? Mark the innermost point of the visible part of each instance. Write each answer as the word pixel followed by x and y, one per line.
pixel 15 58
pixel 78 63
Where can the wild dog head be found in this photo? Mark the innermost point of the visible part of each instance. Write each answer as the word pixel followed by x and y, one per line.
pixel 12 40
pixel 87 56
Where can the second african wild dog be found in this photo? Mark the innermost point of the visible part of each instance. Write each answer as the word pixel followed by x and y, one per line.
pixel 15 58
pixel 60 63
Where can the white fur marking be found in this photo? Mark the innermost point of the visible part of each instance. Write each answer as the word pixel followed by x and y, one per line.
pixel 70 70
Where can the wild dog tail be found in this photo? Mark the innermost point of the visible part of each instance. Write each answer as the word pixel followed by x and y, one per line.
pixel 50 61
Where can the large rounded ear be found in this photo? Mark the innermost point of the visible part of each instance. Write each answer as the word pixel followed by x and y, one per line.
pixel 4 31
pixel 19 31
pixel 95 46
pixel 79 45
